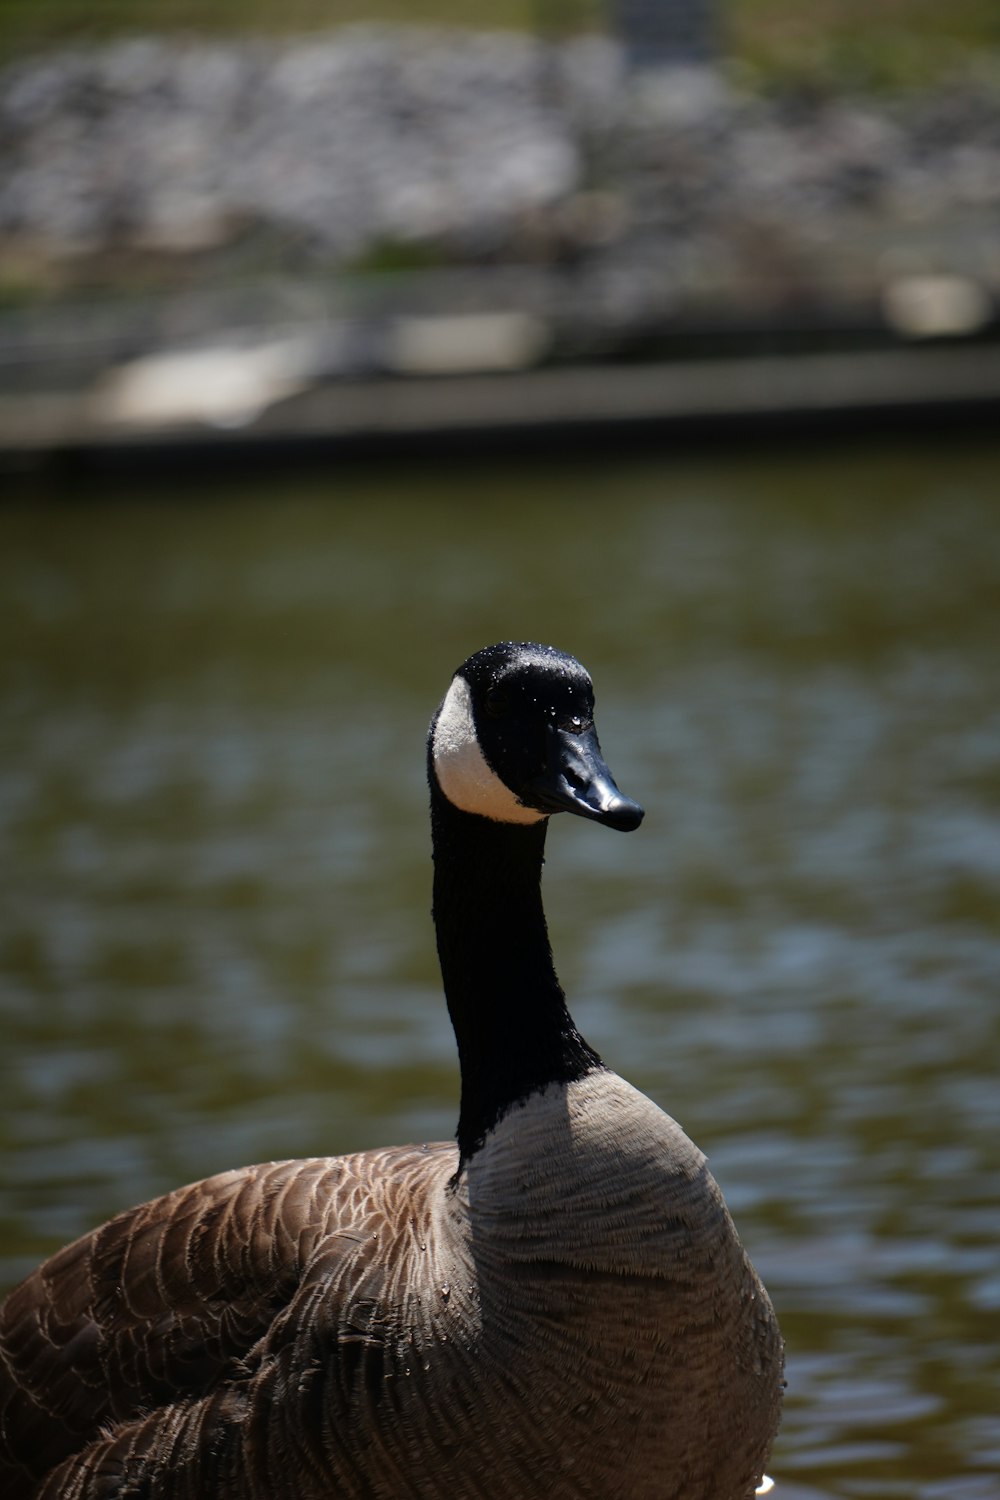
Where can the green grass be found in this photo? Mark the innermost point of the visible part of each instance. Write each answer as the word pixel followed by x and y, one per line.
pixel 26 24
pixel 881 43
pixel 862 43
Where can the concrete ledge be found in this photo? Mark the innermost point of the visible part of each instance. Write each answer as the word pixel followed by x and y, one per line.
pixel 918 381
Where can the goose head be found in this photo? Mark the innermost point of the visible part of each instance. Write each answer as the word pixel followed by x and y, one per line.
pixel 514 740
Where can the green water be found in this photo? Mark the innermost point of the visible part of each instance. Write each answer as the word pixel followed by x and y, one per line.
pixel 215 943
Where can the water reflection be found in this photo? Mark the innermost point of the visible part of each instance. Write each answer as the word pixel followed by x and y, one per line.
pixel 215 940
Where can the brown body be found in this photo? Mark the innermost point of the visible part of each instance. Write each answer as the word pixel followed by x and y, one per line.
pixel 575 1319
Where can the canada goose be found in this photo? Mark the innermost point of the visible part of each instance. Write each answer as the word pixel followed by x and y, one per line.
pixel 559 1308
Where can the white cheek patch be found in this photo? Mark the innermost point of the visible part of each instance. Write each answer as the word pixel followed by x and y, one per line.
pixel 461 768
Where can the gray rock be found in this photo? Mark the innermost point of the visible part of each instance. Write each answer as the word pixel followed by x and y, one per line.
pixel 488 148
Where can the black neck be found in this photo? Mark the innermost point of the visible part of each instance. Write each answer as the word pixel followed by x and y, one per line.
pixel 513 1030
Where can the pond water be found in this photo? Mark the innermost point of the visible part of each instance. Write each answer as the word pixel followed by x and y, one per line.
pixel 215 943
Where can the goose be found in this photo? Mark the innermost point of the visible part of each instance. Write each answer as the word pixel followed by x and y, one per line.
pixel 556 1306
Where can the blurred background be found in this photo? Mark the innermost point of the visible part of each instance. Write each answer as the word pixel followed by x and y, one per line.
pixel 330 352
pixel 234 221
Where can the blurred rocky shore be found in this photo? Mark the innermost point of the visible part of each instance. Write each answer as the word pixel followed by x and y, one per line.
pixel 361 183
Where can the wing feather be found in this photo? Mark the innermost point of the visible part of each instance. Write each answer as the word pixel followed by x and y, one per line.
pixel 136 1334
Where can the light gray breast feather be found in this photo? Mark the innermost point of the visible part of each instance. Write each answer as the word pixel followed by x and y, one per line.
pixel 593 1173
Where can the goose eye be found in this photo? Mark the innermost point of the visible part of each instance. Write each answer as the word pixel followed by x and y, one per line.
pixel 497 702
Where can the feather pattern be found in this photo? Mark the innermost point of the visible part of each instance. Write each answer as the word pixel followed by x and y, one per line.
pixel 340 1321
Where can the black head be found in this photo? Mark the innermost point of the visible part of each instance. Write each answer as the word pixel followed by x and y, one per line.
pixel 514 740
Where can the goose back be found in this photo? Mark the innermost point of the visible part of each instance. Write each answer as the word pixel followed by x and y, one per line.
pixel 169 1348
